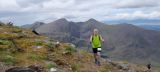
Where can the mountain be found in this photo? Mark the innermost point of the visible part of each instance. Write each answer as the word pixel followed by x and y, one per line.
pixel 33 26
pixel 151 27
pixel 23 51
pixel 123 41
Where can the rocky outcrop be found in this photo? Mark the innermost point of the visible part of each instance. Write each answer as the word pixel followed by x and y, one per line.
pixel 31 68
pixel 127 67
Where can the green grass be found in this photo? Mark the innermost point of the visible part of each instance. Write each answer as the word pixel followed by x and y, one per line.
pixel 39 43
pixel 5 42
pixel 10 60
pixel 36 57
pixel 16 30
pixel 107 68
pixel 70 50
pixel 49 66
pixel 50 46
pixel 7 57
pixel 8 36
pixel 75 67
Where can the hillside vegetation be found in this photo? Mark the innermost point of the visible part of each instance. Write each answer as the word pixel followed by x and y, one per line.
pixel 22 48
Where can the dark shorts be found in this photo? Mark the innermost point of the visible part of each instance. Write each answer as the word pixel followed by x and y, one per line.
pixel 95 50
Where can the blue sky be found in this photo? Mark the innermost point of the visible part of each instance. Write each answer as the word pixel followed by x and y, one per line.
pixel 110 11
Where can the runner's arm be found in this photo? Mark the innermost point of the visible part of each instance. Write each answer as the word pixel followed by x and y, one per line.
pixel 101 38
pixel 90 39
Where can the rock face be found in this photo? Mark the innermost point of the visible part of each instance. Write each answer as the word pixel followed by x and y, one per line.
pixel 32 68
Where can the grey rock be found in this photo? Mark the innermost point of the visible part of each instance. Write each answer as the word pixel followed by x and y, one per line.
pixel 32 68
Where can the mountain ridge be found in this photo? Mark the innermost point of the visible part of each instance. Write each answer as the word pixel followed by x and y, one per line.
pixel 123 41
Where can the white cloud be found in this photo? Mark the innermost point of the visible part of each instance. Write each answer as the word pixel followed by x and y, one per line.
pixel 136 3
pixel 135 15
pixel 57 4
pixel 77 10
pixel 8 5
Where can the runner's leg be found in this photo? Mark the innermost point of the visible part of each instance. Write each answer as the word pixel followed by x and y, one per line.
pixel 98 58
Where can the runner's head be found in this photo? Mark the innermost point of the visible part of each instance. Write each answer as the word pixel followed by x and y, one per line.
pixel 95 31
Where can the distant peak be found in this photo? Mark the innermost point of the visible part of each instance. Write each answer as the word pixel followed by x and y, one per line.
pixel 38 22
pixel 92 19
pixel 62 19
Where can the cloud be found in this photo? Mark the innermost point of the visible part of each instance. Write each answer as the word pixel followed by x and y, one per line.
pixel 28 11
pixel 8 5
pixel 57 4
pixel 137 15
pixel 136 3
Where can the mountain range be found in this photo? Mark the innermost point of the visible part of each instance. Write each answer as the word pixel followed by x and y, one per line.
pixel 151 27
pixel 122 41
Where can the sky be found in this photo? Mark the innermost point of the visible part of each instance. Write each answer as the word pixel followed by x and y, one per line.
pixel 22 12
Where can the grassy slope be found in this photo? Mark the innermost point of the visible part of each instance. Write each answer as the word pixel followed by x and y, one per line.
pixel 65 57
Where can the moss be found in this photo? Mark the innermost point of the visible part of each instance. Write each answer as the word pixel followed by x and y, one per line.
pixel 5 44
pixel 4 47
pixel 70 50
pixel 36 57
pixel 107 68
pixel 49 66
pixel 25 42
pixel 16 30
pixel 10 60
pixel 39 43
pixel 75 67
pixel 49 46
pixel 8 36
pixel 33 57
pixel 125 62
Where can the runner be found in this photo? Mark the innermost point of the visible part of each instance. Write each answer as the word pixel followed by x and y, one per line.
pixel 96 40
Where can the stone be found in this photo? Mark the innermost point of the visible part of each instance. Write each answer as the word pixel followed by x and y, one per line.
pixel 36 68
pixel 53 70
pixel 57 44
pixel 19 69
pixel 31 68
pixel 2 66
pixel 132 70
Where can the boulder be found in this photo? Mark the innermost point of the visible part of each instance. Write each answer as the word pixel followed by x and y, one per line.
pixel 31 68
pixel 20 69
pixel 2 66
